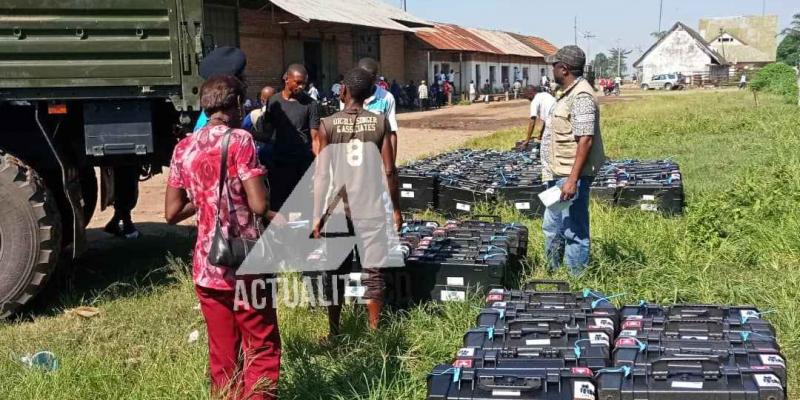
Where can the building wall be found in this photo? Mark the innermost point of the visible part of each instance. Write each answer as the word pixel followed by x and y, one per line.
pixel 270 48
pixel 393 58
pixel 759 32
pixel 678 53
pixel 262 42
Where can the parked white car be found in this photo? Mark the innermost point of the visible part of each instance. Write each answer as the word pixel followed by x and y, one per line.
pixel 663 81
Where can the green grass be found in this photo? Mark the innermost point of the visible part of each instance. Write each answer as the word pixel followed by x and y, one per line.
pixel 738 242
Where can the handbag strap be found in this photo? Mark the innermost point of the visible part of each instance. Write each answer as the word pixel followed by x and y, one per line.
pixel 223 181
pixel 223 171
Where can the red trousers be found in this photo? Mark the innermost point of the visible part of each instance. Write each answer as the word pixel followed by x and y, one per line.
pixel 244 346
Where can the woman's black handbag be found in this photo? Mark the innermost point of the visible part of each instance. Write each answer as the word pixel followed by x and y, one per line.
pixel 228 250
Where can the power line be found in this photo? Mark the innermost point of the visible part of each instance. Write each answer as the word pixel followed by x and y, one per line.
pixel 576 30
pixel 588 36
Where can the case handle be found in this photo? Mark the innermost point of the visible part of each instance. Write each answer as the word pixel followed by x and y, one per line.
pixel 705 366
pixel 529 383
pixel 535 285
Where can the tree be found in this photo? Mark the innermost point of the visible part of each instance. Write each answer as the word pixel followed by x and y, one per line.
pixel 617 57
pixel 602 65
pixel 789 48
pixel 794 26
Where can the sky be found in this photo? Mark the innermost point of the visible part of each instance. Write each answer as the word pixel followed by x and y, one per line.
pixel 628 23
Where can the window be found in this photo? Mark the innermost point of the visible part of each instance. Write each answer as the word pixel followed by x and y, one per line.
pixel 367 44
pixel 525 73
pixel 504 73
pixel 725 39
pixel 492 74
pixel 478 80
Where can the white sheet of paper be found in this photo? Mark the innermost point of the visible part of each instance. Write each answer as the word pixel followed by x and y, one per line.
pixel 551 198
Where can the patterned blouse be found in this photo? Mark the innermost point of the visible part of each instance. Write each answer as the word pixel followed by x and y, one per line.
pixel 195 168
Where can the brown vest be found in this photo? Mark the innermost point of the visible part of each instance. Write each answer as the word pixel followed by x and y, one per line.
pixel 564 146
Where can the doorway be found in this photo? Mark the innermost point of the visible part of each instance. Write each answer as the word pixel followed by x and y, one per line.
pixel 312 57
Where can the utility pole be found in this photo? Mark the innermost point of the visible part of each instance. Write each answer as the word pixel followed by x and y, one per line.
pixel 588 36
pixel 660 14
pixel 619 60
pixel 404 5
pixel 576 30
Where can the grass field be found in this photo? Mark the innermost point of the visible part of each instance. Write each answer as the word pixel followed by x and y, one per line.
pixel 738 242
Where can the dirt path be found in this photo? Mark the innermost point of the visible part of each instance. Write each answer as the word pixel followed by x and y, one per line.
pixel 421 134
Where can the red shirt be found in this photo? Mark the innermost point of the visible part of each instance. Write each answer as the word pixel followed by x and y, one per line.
pixel 195 168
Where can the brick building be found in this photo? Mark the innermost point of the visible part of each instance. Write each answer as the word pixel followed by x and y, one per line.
pixel 327 36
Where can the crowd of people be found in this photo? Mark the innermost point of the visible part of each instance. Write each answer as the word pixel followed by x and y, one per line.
pixel 235 172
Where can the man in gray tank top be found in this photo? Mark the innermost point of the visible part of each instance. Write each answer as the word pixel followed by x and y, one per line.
pixel 355 145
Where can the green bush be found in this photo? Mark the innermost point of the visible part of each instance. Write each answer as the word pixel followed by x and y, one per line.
pixel 778 79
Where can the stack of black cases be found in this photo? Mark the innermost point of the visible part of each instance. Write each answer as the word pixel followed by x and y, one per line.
pixel 447 262
pixel 454 183
pixel 531 344
pixel 537 344
pixel 694 352
pixel 648 185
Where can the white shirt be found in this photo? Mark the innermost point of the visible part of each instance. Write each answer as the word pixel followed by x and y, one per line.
pixel 336 88
pixel 617 80
pixel 472 88
pixel 544 80
pixel 451 77
pixel 383 103
pixel 314 93
pixel 423 91
pixel 743 79
pixel 517 85
pixel 542 105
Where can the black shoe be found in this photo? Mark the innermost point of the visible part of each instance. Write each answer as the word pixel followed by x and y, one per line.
pixel 129 231
pixel 112 228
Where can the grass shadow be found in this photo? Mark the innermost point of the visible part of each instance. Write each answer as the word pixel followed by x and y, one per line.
pixel 113 267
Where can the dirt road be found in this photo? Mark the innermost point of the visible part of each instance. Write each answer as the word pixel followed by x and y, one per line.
pixel 421 134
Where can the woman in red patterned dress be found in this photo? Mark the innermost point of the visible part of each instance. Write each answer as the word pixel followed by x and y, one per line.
pixel 233 328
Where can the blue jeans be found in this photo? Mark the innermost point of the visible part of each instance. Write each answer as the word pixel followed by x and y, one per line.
pixel 566 233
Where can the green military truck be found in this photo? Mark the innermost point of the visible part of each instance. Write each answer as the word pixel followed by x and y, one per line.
pixel 83 83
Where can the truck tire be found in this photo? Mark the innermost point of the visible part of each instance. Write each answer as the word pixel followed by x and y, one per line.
pixel 30 234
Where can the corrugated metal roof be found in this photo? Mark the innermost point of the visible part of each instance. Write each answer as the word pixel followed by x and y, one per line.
pixel 505 42
pixel 454 37
pixel 371 13
pixel 540 45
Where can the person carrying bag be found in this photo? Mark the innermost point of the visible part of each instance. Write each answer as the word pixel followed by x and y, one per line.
pixel 228 203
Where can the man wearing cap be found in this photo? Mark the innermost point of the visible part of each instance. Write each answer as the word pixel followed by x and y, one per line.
pixel 572 152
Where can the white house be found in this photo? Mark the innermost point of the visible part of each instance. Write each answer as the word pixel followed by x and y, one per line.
pixel 682 50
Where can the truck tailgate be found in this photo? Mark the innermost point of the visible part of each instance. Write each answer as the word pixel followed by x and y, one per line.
pixel 89 43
